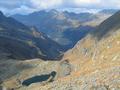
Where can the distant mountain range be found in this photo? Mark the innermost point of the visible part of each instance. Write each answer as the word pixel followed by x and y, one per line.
pixel 56 24
pixel 22 42
pixel 109 11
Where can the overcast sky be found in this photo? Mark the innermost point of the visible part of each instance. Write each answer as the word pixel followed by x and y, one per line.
pixel 28 6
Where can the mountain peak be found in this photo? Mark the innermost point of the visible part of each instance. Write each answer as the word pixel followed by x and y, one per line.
pixel 53 11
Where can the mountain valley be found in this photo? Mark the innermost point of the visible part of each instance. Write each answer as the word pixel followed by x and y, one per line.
pixel 56 24
pixel 86 56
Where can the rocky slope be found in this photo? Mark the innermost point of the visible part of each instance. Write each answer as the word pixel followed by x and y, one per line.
pixel 93 64
pixel 21 42
pixel 96 59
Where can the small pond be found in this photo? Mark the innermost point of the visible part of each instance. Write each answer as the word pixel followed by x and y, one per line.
pixel 37 79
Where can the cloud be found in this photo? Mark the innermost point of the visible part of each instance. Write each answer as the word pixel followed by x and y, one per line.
pixel 109 4
pixel 27 6
pixel 46 4
pixel 11 3
pixel 23 9
pixel 80 2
